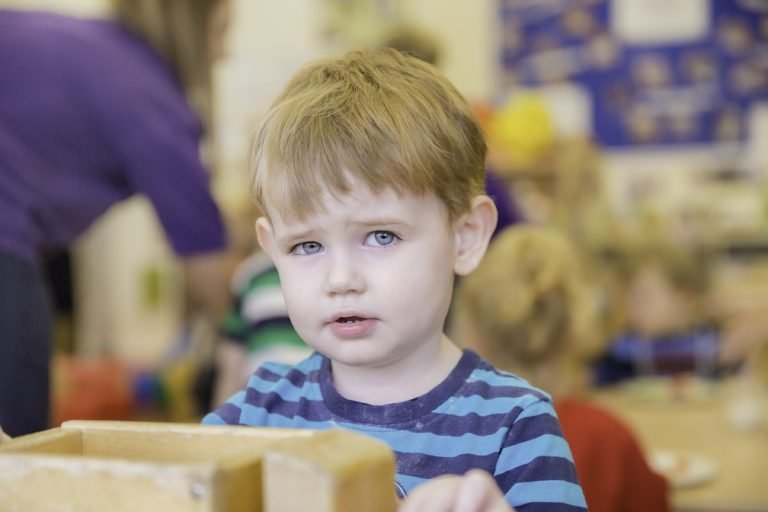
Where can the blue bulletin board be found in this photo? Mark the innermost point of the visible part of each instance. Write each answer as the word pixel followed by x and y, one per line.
pixel 689 91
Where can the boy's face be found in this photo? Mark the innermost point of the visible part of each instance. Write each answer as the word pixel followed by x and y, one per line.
pixel 368 281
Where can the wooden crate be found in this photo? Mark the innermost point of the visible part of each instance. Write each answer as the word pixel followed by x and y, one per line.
pixel 98 466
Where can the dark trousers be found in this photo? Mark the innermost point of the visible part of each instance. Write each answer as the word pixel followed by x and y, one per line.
pixel 25 347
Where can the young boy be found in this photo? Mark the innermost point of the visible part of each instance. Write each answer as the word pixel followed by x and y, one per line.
pixel 368 173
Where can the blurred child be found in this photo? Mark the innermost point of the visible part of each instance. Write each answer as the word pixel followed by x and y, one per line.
pixel 256 329
pixel 368 174
pixel 530 309
pixel 667 327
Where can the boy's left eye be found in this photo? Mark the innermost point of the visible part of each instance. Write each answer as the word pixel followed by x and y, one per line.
pixel 381 238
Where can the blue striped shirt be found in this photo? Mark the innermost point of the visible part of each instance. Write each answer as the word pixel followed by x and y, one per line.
pixel 478 417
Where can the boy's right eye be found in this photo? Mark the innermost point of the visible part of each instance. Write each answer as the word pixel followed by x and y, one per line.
pixel 306 248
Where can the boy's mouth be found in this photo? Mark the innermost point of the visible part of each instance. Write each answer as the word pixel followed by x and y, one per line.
pixel 349 319
pixel 350 325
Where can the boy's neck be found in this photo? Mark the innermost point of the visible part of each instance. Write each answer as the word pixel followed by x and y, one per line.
pixel 399 381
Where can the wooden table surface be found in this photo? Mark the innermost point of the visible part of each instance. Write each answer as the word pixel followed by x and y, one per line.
pixel 705 424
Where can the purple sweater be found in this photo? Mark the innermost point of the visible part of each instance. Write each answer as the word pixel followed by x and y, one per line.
pixel 89 116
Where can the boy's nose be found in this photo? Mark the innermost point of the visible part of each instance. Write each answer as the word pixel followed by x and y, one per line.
pixel 343 276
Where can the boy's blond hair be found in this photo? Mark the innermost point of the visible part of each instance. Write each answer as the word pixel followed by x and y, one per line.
pixel 382 117
pixel 529 300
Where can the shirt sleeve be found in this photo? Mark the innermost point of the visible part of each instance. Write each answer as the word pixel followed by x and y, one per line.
pixel 227 413
pixel 249 405
pixel 535 469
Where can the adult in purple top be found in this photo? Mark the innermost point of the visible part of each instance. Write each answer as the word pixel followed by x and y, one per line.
pixel 91 113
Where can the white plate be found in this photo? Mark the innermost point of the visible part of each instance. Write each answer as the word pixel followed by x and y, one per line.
pixel 683 469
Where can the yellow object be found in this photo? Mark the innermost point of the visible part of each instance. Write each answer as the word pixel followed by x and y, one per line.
pixel 523 127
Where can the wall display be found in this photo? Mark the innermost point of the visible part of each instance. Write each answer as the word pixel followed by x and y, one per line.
pixel 659 73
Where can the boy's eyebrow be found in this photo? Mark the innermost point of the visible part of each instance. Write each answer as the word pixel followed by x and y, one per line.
pixel 289 234
pixel 309 232
pixel 378 221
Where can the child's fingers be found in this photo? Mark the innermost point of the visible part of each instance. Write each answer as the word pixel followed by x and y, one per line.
pixel 3 436
pixel 474 492
pixel 478 492
pixel 437 495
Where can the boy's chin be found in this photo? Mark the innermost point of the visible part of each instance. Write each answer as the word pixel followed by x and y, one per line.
pixel 360 357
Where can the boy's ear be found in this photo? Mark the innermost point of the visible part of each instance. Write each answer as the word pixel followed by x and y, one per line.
pixel 472 232
pixel 266 236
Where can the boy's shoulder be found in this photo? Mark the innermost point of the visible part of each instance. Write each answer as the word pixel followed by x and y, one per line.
pixel 282 374
pixel 500 382
pixel 492 393
pixel 273 389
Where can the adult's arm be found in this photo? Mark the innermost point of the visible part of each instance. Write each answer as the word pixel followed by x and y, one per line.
pixel 207 276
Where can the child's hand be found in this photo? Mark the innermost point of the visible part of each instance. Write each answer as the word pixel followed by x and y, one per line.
pixel 476 491
pixel 3 436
